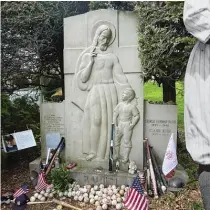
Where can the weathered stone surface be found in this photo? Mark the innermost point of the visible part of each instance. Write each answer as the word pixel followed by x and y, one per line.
pixel 34 169
pixel 114 69
pixel 182 174
pixel 95 177
pixel 52 121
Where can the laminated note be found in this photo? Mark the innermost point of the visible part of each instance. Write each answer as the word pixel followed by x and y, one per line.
pixel 24 139
pixel 52 140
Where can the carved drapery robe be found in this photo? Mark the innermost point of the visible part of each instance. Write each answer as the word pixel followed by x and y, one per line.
pixel 101 100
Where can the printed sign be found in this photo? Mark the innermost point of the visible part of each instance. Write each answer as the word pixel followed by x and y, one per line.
pixel 24 139
pixel 52 140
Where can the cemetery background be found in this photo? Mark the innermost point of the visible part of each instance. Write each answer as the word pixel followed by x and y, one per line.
pixel 164 201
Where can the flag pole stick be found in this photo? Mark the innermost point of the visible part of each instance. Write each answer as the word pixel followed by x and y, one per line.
pixel 39 202
pixel 65 204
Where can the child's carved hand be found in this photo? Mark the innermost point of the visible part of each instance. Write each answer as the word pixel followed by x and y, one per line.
pixel 117 129
pixel 131 126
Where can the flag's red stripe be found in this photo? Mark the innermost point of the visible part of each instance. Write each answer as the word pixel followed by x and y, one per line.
pixel 135 195
pixel 138 201
pixel 132 199
pixel 143 203
pixel 18 193
pixel 41 185
pixel 145 206
pixel 129 197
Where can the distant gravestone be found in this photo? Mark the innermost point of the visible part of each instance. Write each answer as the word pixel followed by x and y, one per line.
pixel 160 121
pixel 99 65
pixel 52 124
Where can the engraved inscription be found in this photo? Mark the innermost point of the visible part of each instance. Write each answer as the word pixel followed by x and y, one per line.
pixel 160 127
pixel 93 179
pixel 53 123
pixel 110 180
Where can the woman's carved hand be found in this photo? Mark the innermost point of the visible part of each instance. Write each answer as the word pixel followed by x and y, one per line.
pixel 92 55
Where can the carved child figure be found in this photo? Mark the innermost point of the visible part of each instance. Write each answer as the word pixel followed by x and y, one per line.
pixel 126 115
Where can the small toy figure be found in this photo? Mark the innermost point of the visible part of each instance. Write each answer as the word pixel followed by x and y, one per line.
pixel 126 116
pixel 71 165
pixel 132 168
pixel 117 166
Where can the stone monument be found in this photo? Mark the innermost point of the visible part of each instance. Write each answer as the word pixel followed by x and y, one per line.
pixel 103 85
pixel 160 122
pixel 52 121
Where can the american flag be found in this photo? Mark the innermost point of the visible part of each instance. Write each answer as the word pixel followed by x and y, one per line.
pixel 22 190
pixel 136 199
pixel 41 183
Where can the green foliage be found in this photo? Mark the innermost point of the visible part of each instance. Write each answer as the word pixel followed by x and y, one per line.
pixel 117 5
pixel 196 206
pixel 60 178
pixel 154 93
pixel 185 159
pixel 32 42
pixel 19 114
pixel 180 103
pixel 164 44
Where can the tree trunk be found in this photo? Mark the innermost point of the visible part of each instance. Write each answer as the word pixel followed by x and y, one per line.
pixel 169 90
pixel 60 47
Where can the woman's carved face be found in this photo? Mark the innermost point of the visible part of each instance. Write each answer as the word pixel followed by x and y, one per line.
pixel 103 40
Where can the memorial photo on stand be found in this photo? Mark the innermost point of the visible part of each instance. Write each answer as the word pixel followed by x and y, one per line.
pixel 9 143
pixel 18 141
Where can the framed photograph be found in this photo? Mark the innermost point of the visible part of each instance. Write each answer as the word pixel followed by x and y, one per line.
pixel 18 141
pixel 9 144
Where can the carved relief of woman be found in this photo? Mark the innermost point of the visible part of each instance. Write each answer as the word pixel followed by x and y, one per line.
pixel 98 73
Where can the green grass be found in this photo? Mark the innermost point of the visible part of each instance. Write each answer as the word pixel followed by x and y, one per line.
pixel 196 206
pixel 154 93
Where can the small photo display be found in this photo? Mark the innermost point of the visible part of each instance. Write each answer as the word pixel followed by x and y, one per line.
pixel 9 143
pixel 18 141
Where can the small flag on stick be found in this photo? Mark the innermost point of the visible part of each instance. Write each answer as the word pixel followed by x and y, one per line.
pixel 22 190
pixel 136 199
pixel 170 160
pixel 41 183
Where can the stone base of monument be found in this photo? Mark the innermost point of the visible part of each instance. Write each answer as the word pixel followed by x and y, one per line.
pixel 83 163
pixel 101 176
pixel 34 169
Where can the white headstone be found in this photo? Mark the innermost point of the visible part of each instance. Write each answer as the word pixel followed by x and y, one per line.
pixel 52 124
pixel 160 123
